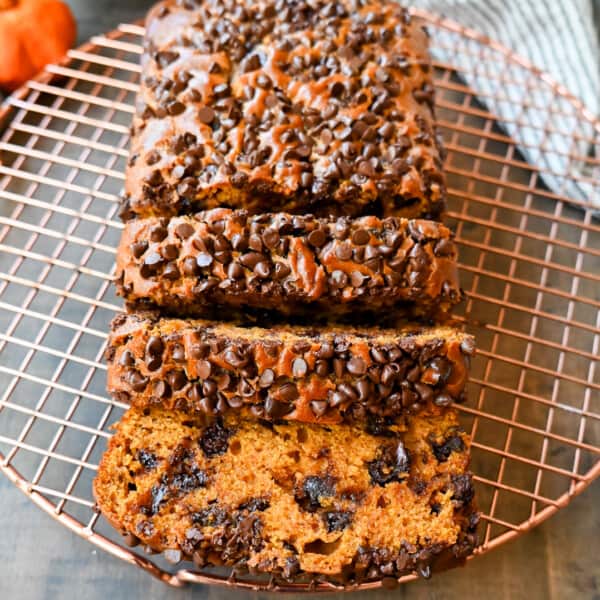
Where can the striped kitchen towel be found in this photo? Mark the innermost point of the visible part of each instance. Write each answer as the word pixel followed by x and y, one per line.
pixel 561 37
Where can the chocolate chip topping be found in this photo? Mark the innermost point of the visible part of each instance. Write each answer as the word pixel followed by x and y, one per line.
pixel 212 368
pixel 332 110
pixel 289 264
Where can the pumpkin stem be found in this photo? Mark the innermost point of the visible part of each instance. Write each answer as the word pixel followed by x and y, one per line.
pixel 7 4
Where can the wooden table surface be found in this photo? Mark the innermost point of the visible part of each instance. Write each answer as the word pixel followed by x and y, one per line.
pixel 39 559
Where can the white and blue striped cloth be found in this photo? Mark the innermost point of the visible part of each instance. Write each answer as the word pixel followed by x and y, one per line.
pixel 561 37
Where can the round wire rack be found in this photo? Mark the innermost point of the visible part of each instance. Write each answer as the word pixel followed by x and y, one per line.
pixel 530 260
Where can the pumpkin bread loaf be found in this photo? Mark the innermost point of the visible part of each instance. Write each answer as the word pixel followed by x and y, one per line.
pixel 279 105
pixel 290 499
pixel 321 375
pixel 296 265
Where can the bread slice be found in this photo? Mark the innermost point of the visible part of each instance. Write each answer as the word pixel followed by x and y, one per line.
pixel 290 499
pixel 321 374
pixel 288 264
pixel 302 107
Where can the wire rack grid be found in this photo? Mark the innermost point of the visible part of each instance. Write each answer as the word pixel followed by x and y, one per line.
pixel 530 262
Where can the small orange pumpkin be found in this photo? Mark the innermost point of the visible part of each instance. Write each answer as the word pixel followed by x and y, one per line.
pixel 33 33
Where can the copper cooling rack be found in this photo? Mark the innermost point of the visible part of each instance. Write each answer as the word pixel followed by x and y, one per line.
pixel 530 254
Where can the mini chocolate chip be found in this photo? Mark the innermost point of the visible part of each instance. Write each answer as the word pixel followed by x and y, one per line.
pixel 424 391
pixel 339 279
pixel 319 407
pixel 223 257
pixel 154 346
pixel 235 270
pixel 178 353
pixel 389 373
pixel 338 367
pixel 169 252
pixel 444 247
pixel 317 238
pixel 299 367
pixel 235 401
pixel 361 237
pixel 266 379
pixel 166 57
pixel 336 399
pixel 250 259
pixel 379 355
pixel 209 388
pixel 151 264
pixel 147 459
pixel 152 157
pixel 204 369
pixel 184 230
pixel 281 270
pixel 322 368
pixel 270 238
pixel 364 389
pixel 221 89
pixel 386 131
pixel 356 366
pixel 390 465
pixel 326 350
pixel 344 251
pixel 171 271
pixel 452 444
pixel 201 350
pixel 348 391
pixel 161 389
pixel 126 359
pixel 252 63
pixel 276 409
pixel 400 166
pixel 205 115
pixel 336 89
pixel 175 108
pixel 176 379
pixel 341 229
pixel 138 248
pixel 262 269
pixel 158 234
pixel 306 179
pixel 329 111
pixel 263 81
pixel 288 392
pixel 137 381
pixel 204 260
pixel 190 268
pixel 207 284
pixel 255 242
pixel 358 279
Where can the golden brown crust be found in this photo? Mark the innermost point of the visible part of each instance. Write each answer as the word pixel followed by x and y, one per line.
pixel 279 105
pixel 288 264
pixel 312 375
pixel 289 498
